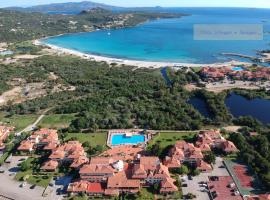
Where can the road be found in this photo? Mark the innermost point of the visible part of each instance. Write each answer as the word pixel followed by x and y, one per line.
pixel 31 127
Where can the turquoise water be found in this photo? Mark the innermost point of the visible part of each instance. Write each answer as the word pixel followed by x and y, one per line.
pixel 5 53
pixel 122 139
pixel 237 69
pixel 172 39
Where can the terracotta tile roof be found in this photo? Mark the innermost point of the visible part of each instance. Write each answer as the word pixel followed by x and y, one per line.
pixel 102 160
pixel 80 186
pixel 120 180
pixel 76 154
pixel 172 162
pixel 50 165
pixel 57 154
pixel 50 146
pixel 203 166
pixel 182 151
pixel 71 150
pixel 95 188
pixel 149 163
pixel 71 146
pixel 26 145
pixel 46 135
pixel 228 147
pixel 139 172
pixel 79 162
pixel 112 192
pixel 167 185
pixel 4 133
pixel 45 131
pixel 96 169
pixel 125 153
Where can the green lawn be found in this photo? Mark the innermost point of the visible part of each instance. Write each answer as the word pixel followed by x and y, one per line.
pixel 93 138
pixel 4 157
pixel 18 121
pixel 42 181
pixel 39 180
pixel 196 69
pixel 56 121
pixel 169 138
pixel 145 194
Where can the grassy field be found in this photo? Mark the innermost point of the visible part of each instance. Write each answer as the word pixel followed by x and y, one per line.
pixel 39 180
pixel 56 121
pixel 18 121
pixel 169 138
pixel 93 138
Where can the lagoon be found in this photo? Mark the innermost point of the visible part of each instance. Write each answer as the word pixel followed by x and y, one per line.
pixel 171 40
pixel 200 105
pixel 241 106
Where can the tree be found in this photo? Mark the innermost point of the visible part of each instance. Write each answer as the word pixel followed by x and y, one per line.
pixel 184 169
pixel 25 165
pixel 156 187
pixel 210 158
pixel 196 172
pixel 190 196
pixel 99 148
pixel 86 144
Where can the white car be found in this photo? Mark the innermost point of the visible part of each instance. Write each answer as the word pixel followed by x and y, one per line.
pixel 23 184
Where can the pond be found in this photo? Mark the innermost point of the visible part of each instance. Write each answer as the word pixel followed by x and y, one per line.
pixel 200 105
pixel 241 106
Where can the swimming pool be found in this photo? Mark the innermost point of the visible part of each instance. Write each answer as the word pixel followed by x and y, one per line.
pixel 237 69
pixel 120 139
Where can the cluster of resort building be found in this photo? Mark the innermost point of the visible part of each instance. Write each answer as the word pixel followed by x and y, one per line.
pixel 188 153
pixel 45 139
pixel 4 133
pixel 236 73
pixel 127 168
pixel 110 176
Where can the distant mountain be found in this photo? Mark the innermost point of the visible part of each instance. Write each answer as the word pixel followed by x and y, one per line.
pixel 65 8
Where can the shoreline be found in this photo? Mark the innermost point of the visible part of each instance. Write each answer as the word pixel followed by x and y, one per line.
pixel 136 63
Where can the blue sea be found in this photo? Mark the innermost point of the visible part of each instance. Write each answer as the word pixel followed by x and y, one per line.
pixel 171 40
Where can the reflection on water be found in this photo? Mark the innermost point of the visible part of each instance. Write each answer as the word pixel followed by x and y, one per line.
pixel 241 106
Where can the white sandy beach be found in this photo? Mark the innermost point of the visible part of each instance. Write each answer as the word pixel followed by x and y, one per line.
pixel 137 63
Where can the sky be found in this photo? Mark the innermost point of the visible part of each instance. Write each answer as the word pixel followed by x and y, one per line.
pixel 142 3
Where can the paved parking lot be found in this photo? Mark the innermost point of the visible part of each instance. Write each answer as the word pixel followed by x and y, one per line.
pixel 199 190
pixel 11 188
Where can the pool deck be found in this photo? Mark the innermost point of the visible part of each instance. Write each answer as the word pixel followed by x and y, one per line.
pixel 131 132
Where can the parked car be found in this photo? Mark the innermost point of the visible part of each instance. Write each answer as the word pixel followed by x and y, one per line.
pixel 23 184
pixel 33 187
pixel 2 170
pixel 184 185
pixel 190 177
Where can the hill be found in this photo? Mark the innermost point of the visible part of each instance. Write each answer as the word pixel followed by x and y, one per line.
pixel 65 8
pixel 18 26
